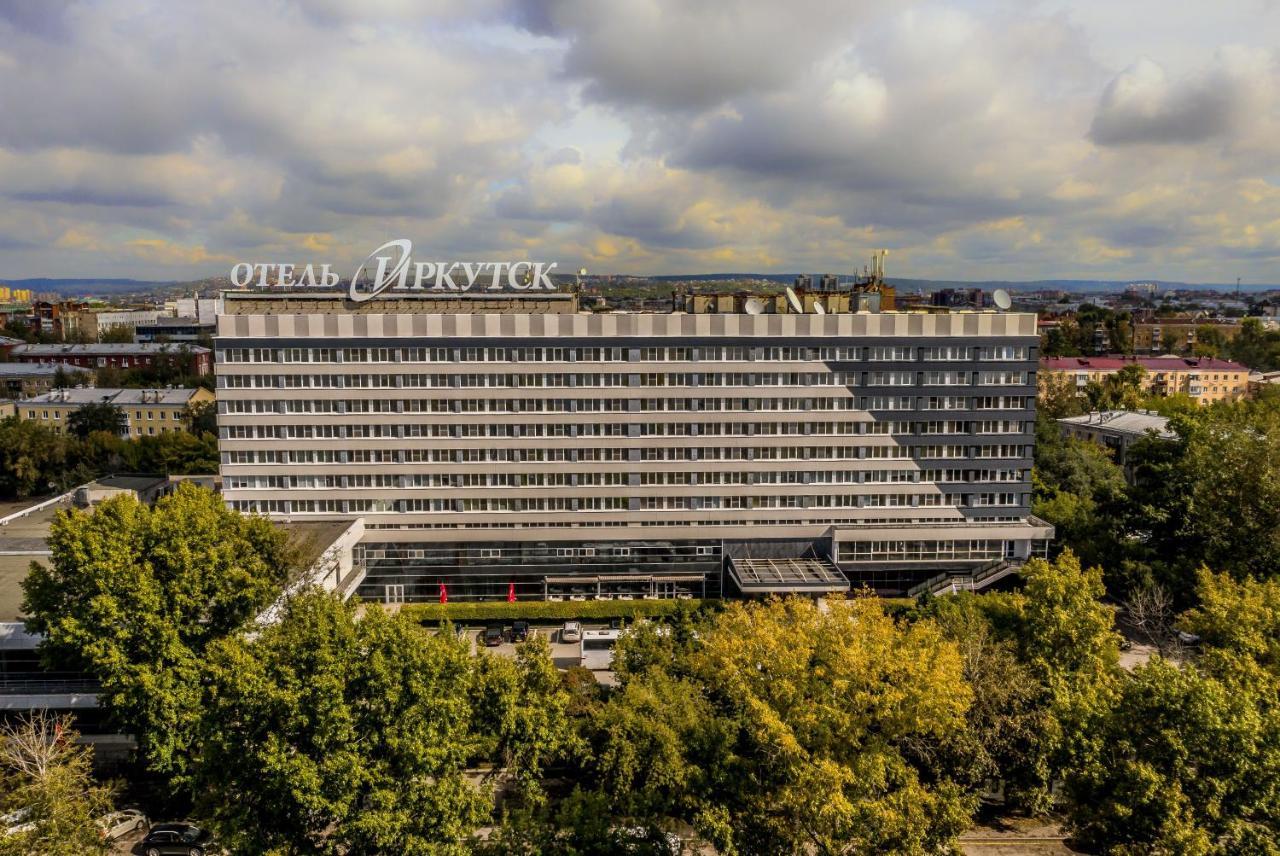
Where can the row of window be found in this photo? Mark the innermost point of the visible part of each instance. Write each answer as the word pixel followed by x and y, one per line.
pixel 623 430
pixel 709 353
pixel 921 551
pixel 604 455
pixel 609 380
pixel 656 405
pixel 613 479
pixel 613 503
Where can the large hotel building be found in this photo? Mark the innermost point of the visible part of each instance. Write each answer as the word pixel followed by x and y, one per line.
pixel 492 445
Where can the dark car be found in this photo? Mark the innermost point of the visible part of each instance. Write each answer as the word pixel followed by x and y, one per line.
pixel 176 839
pixel 615 623
pixel 519 631
pixel 493 635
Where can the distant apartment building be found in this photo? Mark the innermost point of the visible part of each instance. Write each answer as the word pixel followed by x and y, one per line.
pixel 24 380
pixel 1177 335
pixel 1203 378
pixel 508 444
pixel 58 320
pixel 14 295
pixel 94 323
pixel 121 355
pixel 148 412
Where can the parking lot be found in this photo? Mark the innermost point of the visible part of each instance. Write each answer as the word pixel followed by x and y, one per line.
pixel 563 654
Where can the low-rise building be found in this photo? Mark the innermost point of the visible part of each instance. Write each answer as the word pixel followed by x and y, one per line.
pixel 94 322
pixel 24 380
pixel 174 330
pixel 1117 429
pixel 148 412
pixel 1205 379
pixel 122 355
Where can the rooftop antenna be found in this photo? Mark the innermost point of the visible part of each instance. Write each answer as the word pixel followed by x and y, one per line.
pixel 1001 299
pixel 754 306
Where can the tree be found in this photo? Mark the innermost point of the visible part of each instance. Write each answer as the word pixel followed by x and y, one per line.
pixel 1009 717
pixel 1067 640
pixel 62 379
pixel 521 707
pixel 202 418
pixel 1229 515
pixel 796 730
pixel 47 779
pixel 135 595
pixel 1189 763
pixel 1240 617
pixel 34 459
pixel 118 334
pixel 97 416
pixel 1080 490
pixel 326 734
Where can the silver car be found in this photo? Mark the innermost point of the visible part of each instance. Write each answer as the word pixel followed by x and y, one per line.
pixel 571 632
pixel 118 824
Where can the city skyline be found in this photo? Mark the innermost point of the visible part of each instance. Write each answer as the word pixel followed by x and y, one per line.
pixel 976 140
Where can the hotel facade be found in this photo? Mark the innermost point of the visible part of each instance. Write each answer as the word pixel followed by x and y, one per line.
pixel 517 444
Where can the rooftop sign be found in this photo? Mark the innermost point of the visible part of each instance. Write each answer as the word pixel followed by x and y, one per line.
pixel 394 270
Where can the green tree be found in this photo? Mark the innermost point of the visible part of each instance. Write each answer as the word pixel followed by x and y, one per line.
pixel 202 418
pixel 1230 515
pixel 135 595
pixel 1080 490
pixel 1067 640
pixel 34 459
pixel 97 416
pixel 330 735
pixel 46 777
pixel 1010 717
pixel 1189 763
pixel 119 335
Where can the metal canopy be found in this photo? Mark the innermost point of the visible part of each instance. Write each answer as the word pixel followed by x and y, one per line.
pixel 763 576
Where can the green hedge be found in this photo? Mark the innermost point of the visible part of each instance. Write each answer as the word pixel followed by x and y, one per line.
pixel 545 610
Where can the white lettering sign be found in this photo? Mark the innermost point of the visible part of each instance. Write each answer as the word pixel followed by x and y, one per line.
pixel 394 270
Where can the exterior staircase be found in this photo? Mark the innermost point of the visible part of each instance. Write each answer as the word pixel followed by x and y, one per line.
pixel 975 580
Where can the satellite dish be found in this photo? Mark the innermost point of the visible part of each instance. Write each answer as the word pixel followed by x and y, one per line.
pixel 794 302
pixel 754 306
pixel 582 271
pixel 819 309
pixel 1001 299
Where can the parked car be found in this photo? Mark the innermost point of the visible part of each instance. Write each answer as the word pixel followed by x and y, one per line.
pixel 615 623
pixel 519 631
pixel 571 632
pixel 176 839
pixel 493 635
pixel 118 824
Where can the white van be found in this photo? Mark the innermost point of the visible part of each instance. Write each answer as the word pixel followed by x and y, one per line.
pixel 595 652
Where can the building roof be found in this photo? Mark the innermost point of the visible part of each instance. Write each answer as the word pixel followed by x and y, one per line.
pixel 105 349
pixel 1135 422
pixel 1151 364
pixel 119 397
pixel 30 369
pixel 6 341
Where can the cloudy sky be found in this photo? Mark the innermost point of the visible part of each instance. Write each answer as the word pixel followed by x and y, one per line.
pixel 974 138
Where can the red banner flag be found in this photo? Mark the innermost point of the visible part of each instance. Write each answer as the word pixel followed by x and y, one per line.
pixel 511 593
pixel 444 594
